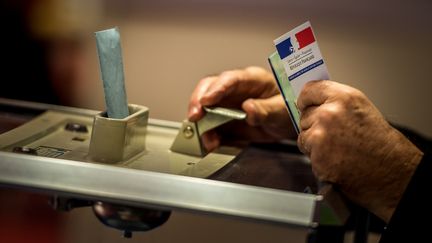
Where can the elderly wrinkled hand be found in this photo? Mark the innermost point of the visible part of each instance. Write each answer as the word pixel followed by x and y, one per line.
pixel 253 90
pixel 351 145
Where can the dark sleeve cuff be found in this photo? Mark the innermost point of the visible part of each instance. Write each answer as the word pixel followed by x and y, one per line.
pixel 422 142
pixel 409 222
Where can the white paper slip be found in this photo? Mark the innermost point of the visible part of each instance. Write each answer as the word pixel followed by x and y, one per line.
pixel 301 57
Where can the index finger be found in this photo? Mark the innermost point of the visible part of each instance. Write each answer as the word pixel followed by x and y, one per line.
pixel 314 93
pixel 195 111
pixel 235 86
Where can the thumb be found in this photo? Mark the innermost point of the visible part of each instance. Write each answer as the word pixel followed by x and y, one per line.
pixel 265 111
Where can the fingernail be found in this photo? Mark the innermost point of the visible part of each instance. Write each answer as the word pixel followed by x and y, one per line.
pixel 252 106
pixel 251 111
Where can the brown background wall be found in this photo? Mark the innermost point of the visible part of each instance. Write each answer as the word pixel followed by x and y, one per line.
pixel 380 47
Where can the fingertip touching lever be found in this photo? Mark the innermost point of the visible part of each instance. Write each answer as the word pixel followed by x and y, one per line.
pixel 188 140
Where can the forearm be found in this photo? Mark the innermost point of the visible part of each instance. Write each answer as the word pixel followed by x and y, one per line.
pixel 380 190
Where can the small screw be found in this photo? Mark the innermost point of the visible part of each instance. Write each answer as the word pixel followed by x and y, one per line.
pixel 188 132
pixel 24 150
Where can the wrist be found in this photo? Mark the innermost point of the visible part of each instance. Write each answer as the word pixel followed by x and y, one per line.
pixel 401 164
pixel 380 188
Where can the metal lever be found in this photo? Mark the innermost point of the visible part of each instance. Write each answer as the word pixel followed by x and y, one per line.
pixel 188 139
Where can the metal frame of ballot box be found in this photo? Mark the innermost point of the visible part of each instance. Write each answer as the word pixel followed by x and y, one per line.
pixel 289 195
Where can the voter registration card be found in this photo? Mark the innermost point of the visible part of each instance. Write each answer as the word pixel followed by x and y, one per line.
pixel 297 61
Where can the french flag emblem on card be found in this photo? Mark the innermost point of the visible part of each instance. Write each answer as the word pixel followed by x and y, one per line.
pixel 299 41
pixel 301 57
pixel 305 37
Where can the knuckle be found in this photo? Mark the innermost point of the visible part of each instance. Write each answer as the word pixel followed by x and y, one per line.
pixel 307 86
pixel 206 80
pixel 330 114
pixel 227 74
pixel 349 96
pixel 229 77
pixel 254 69
pixel 317 135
